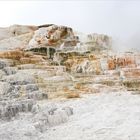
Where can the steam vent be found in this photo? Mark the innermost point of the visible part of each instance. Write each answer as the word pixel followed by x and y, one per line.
pixel 58 84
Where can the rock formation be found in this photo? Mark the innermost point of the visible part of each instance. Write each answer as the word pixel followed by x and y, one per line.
pixel 41 63
pixel 125 61
pixel 52 36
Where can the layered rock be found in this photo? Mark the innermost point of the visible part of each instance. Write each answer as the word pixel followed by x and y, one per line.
pixel 95 42
pixel 11 109
pixel 99 39
pixel 87 66
pixel 122 62
pixel 49 61
pixel 132 84
pixel 21 57
pixel 52 36
pixel 132 73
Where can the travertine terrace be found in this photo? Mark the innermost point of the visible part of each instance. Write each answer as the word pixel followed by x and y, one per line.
pixel 46 70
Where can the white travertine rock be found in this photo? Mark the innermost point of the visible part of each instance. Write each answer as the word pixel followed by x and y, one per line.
pixel 4 33
pixel 87 66
pixel 94 42
pixel 5 88
pixel 52 36
pixel 15 42
pixel 5 63
pixel 20 79
pixel 10 70
pixel 16 30
pixel 48 118
pixel 11 109
pixel 37 95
